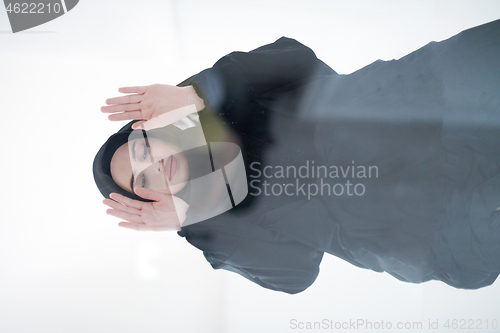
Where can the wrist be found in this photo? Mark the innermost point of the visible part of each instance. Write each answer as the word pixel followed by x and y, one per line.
pixel 193 98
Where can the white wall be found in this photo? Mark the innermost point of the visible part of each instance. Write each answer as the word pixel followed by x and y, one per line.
pixel 65 266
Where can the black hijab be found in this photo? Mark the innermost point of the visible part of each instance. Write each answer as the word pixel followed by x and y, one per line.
pixel 102 164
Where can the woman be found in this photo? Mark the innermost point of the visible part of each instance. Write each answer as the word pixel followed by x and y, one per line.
pixel 393 168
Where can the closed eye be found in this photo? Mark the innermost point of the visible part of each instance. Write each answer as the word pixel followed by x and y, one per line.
pixel 133 149
pixel 141 178
pixel 145 152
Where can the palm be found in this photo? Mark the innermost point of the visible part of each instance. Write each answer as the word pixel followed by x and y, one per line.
pixel 166 212
pixel 146 102
pixel 156 213
pixel 155 101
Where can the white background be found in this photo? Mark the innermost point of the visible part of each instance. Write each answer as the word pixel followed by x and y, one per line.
pixel 65 266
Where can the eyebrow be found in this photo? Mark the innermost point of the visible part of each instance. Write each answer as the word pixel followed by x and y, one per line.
pixel 133 156
pixel 132 182
pixel 133 149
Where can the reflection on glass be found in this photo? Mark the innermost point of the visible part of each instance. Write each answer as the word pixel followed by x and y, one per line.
pixel 393 168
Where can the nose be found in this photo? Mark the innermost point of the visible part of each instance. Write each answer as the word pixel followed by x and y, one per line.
pixel 157 167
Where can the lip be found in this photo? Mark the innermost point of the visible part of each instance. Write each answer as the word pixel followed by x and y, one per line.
pixel 170 167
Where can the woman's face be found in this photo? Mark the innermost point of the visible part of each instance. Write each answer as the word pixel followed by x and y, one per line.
pixel 133 166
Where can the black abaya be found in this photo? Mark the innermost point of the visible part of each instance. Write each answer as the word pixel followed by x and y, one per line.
pixel 428 124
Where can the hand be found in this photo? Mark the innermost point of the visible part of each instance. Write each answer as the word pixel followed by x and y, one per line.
pixel 167 212
pixel 147 102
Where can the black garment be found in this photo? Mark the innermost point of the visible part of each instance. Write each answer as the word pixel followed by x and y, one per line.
pixel 429 122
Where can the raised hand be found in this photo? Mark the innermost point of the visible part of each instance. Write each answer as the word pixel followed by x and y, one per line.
pixel 146 102
pixel 167 212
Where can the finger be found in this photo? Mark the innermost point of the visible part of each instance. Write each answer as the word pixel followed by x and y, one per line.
pixel 133 90
pixel 131 115
pixel 150 194
pixel 116 205
pixel 133 226
pixel 169 117
pixel 125 99
pixel 127 201
pixel 124 216
pixel 138 124
pixel 121 108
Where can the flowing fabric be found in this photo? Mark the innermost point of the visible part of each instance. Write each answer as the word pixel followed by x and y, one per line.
pixel 427 126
